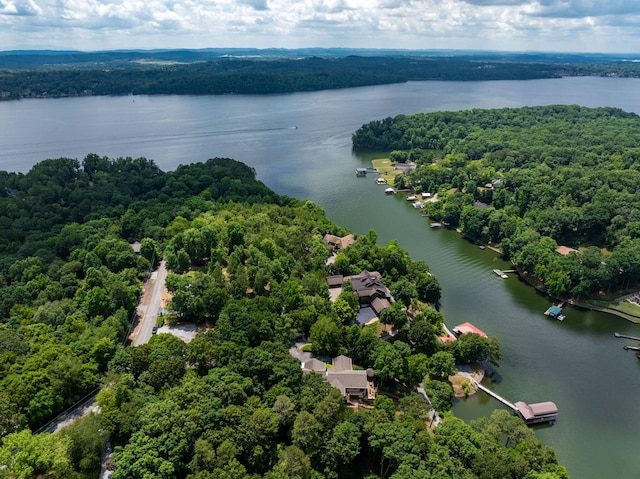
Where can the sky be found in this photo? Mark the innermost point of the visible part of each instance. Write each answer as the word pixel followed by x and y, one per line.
pixel 509 25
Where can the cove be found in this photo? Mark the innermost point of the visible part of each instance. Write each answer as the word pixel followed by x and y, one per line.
pixel 300 145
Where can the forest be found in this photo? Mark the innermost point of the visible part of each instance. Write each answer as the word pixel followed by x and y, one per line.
pixel 528 181
pixel 47 74
pixel 248 266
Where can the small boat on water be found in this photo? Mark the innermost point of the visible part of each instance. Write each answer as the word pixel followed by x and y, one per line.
pixel 380 181
pixel 435 225
pixel 389 191
pixel 418 204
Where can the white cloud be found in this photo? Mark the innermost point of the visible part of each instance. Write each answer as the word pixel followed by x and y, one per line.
pixel 479 24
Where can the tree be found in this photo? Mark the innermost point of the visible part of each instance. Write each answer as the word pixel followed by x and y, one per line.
pixel 343 446
pixel 428 288
pixel 326 336
pixel 41 455
pixel 442 364
pixel 396 315
pixel 471 347
pixel 306 432
pixel 344 311
pixel 395 444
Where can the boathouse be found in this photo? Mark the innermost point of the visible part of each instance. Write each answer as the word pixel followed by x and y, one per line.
pixel 537 413
pixel 468 328
pixel 361 172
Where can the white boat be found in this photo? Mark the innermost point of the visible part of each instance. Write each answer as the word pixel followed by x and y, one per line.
pixel 389 191
pixel 418 204
pixel 380 181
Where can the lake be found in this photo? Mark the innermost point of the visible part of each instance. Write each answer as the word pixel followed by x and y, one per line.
pixel 300 145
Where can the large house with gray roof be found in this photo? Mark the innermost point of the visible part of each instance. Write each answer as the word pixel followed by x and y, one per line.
pixel 355 385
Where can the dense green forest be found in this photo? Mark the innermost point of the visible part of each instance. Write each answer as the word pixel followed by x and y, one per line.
pixel 250 267
pixel 528 180
pixel 125 73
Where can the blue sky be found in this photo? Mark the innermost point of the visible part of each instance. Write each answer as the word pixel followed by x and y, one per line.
pixel 514 25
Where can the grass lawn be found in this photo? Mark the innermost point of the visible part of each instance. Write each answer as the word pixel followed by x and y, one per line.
pixel 386 169
pixel 622 308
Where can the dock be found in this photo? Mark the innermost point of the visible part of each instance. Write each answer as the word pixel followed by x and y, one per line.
pixel 536 413
pixel 633 338
pixel 496 396
pixel 555 312
pixel 500 273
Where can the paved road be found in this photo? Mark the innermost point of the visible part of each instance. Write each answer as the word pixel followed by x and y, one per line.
pixel 149 316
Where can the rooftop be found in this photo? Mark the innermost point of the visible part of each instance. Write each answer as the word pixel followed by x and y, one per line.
pixel 469 328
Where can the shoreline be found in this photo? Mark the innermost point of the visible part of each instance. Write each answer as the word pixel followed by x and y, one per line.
pixel 584 304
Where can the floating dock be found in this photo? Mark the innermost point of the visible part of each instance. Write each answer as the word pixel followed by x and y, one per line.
pixel 500 273
pixel 537 413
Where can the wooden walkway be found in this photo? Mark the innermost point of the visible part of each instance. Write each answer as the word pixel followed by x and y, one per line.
pixel 496 396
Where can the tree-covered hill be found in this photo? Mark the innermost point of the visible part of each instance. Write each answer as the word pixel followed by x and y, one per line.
pixel 251 267
pixel 552 176
pixel 205 73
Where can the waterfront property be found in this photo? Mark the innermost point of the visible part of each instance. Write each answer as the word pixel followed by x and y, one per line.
pixel 468 328
pixel 336 242
pixel 536 413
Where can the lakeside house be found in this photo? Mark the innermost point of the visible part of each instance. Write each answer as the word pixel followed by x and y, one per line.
pixel 355 385
pixel 367 286
pixel 468 328
pixel 337 242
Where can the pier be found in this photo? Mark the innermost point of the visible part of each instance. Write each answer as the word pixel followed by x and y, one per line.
pixel 530 413
pixel 496 396
pixel 503 273
pixel 618 335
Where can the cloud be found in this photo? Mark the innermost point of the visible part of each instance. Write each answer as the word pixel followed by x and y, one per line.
pixel 567 25
pixel 256 4
pixel 587 8
pixel 496 3
pixel 18 8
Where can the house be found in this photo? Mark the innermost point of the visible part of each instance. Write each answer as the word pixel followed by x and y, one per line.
pixel 565 250
pixel 336 242
pixel 355 385
pixel 368 286
pixel 469 328
pixel 380 304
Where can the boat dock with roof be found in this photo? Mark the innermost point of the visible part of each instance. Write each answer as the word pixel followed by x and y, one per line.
pixel 555 311
pixel 536 413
